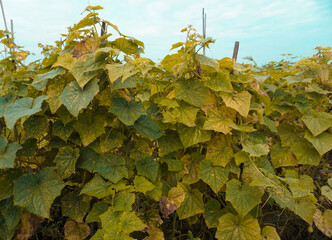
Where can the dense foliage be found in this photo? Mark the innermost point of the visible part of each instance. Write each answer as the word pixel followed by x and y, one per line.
pixel 95 146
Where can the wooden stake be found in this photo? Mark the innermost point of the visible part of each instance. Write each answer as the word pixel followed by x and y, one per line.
pixel 12 30
pixel 235 52
pixel 204 27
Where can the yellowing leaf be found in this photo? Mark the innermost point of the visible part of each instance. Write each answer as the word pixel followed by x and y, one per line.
pixel 217 121
pixel 219 82
pixel 192 203
pixel 191 91
pixel 214 176
pixel 282 157
pixel 317 122
pixel 98 188
pixel 270 233
pixel 219 150
pixel 239 101
pixel 233 227
pixel 322 142
pixel 243 197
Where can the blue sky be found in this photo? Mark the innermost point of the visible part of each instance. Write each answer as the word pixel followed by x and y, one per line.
pixel 265 28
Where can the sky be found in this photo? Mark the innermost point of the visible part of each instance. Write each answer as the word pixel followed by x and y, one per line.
pixel 266 29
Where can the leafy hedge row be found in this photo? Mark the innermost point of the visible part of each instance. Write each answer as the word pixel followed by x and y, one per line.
pixel 123 149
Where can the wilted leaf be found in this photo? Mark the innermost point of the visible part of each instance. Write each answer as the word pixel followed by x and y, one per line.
pixel 76 231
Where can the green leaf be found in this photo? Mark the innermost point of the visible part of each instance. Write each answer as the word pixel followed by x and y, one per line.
pixel 242 197
pixel 36 192
pixel 127 112
pixel 97 209
pixel 75 99
pixel 147 127
pixel 173 165
pixel 239 102
pixel 233 227
pixel 191 135
pixel 41 80
pixel 21 108
pixel 108 165
pixel 218 122
pixel 147 167
pixel 191 91
pixel 186 114
pixel 214 176
pixel 90 125
pixel 305 154
pixel 98 188
pixel 10 213
pixel 270 233
pixel 8 153
pixel 111 139
pixel 7 178
pixel 142 184
pixel 168 143
pixel 76 231
pixel 322 142
pixel 219 82
pixel 212 213
pixel 124 200
pixel 282 156
pixel 65 161
pixel 35 126
pixel 128 83
pixel 75 206
pixel 83 72
pixel 219 150
pixel 254 149
pixel 61 130
pixel 317 122
pixel 193 203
